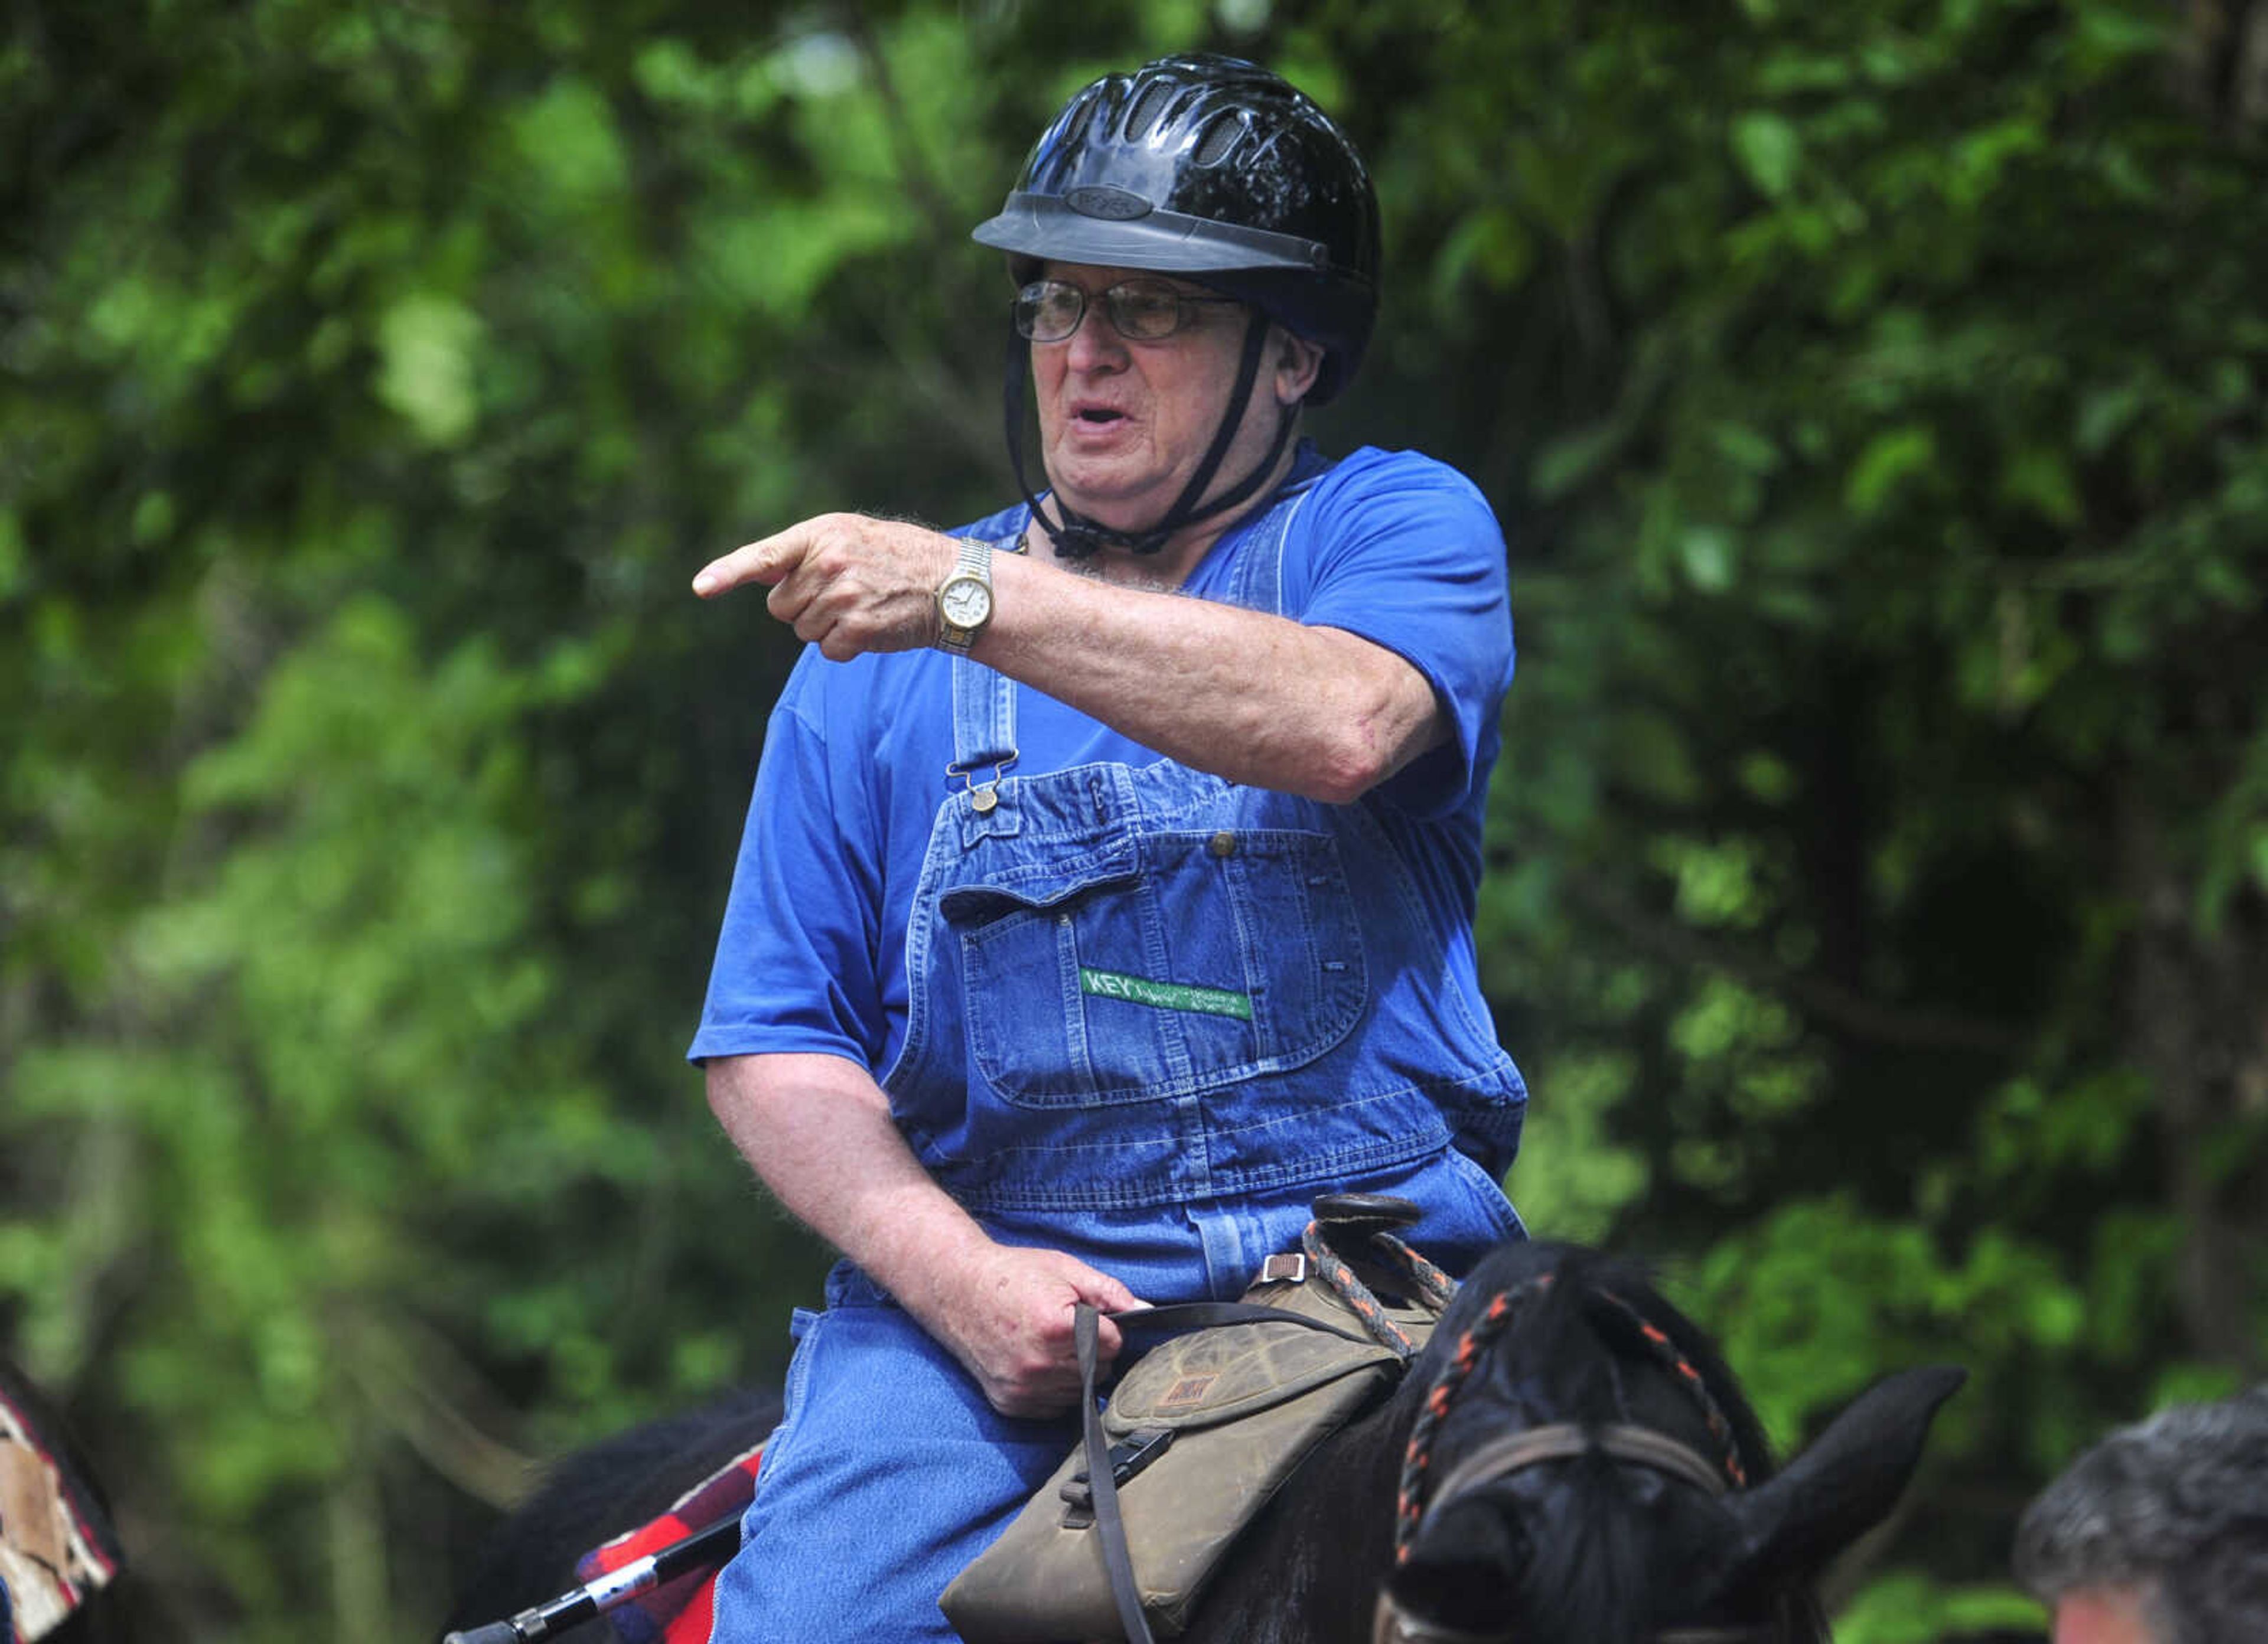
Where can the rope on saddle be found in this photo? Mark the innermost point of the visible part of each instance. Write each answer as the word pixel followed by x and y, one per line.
pixel 1435 1286
pixel 1431 1283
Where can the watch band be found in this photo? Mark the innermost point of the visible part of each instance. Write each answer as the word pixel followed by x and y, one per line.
pixel 974 565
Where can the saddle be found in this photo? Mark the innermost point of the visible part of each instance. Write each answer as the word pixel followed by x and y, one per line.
pixel 1198 1436
pixel 1201 1433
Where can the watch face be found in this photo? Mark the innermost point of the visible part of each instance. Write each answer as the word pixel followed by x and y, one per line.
pixel 965 602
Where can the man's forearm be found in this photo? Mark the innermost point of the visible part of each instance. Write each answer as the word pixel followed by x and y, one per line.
pixel 1249 696
pixel 817 1130
pixel 1244 695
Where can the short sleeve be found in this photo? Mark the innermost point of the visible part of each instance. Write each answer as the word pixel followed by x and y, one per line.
pixel 795 968
pixel 1406 552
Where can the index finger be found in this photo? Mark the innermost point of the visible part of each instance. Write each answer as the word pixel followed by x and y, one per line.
pixel 769 560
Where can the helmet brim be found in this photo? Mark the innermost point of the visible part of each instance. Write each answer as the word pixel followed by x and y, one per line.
pixel 1050 228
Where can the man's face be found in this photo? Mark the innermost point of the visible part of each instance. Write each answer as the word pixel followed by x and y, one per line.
pixel 2103 1615
pixel 1124 424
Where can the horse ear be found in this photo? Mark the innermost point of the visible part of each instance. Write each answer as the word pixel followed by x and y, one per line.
pixel 1843 1483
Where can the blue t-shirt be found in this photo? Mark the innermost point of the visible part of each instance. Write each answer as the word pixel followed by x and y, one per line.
pixel 1391 545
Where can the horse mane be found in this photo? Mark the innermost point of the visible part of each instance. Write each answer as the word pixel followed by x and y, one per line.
pixel 1575 1352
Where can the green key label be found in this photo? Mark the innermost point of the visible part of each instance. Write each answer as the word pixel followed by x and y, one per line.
pixel 1213 1001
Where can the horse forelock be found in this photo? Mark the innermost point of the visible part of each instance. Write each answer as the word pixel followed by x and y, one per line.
pixel 1588 1575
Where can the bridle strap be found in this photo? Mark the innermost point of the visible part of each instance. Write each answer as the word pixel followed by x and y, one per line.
pixel 1500 1459
pixel 1390 1624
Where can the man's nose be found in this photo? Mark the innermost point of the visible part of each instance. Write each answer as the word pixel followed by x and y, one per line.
pixel 1096 345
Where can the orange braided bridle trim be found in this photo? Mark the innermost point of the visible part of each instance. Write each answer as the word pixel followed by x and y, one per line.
pixel 1502 1308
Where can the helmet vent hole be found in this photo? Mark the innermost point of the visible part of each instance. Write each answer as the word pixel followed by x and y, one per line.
pixel 1075 125
pixel 1219 139
pixel 1146 108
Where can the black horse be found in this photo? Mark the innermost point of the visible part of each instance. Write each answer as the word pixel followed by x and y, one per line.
pixel 1569 1462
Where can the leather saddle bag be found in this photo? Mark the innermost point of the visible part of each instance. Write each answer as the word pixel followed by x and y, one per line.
pixel 1204 1429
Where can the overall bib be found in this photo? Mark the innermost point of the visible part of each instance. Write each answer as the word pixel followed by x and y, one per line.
pixel 1152 1015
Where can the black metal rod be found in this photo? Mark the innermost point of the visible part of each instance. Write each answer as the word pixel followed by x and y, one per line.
pixel 702 1549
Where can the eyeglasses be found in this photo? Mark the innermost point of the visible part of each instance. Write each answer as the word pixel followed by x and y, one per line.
pixel 1141 310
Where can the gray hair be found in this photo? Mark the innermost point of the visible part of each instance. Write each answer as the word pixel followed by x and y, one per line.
pixel 2176 1509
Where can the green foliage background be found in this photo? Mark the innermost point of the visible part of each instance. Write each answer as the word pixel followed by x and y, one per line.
pixel 1880 889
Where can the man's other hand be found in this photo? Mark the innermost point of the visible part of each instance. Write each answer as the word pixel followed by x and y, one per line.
pixel 1008 1320
pixel 846 583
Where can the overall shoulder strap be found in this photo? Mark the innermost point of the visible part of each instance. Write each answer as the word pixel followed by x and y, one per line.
pixel 983 720
pixel 1257 580
pixel 983 726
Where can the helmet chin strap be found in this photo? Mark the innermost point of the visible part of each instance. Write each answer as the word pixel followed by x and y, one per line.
pixel 1077 537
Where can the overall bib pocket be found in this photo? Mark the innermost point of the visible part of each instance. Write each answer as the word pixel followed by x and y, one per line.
pixel 1227 954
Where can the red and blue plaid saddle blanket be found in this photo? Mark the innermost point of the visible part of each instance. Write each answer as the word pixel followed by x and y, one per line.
pixel 677 1611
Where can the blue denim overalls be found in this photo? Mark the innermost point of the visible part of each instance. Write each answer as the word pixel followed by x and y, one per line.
pixel 1152 1015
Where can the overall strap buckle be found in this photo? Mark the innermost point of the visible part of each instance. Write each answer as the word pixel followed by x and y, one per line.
pixel 983 795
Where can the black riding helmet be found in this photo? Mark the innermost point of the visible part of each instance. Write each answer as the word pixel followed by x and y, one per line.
pixel 1216 170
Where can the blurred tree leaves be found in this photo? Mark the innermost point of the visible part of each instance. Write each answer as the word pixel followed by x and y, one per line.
pixel 1880 897
pixel 1892 681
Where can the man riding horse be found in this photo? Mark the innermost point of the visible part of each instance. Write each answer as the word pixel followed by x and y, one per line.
pixel 1107 892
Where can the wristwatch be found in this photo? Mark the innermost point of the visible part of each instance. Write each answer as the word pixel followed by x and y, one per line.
pixel 964 600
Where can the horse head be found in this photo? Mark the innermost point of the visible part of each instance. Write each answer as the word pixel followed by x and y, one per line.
pixel 1581 1466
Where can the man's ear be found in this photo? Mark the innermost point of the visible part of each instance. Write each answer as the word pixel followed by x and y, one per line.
pixel 1298 363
